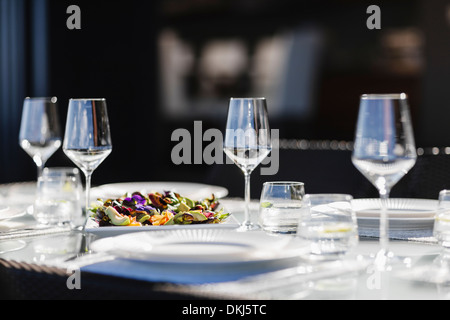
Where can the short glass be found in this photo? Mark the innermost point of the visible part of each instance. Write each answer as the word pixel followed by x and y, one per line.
pixel 329 224
pixel 442 221
pixel 58 198
pixel 280 206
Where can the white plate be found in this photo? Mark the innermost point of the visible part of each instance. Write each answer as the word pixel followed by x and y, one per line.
pixel 195 191
pixel 19 194
pixel 197 247
pixel 397 208
pixel 93 228
pixel 11 213
pixel 407 214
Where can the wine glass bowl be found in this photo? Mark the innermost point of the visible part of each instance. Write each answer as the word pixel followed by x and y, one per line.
pixel 40 132
pixel 87 140
pixel 247 142
pixel 384 148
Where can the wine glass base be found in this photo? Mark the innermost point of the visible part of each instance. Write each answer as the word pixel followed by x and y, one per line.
pixel 383 260
pixel 248 227
pixel 386 260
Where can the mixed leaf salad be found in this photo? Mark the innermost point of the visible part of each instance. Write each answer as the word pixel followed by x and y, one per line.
pixel 157 209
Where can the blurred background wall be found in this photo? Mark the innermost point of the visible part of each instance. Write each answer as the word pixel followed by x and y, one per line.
pixel 164 64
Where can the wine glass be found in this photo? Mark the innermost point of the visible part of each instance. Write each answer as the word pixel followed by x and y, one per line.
pixel 384 151
pixel 40 132
pixel 247 142
pixel 87 141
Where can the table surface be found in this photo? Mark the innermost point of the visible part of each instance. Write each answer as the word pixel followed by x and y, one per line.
pixel 353 278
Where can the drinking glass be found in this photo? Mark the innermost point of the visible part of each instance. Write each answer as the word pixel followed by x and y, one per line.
pixel 280 206
pixel 328 223
pixel 58 197
pixel 384 151
pixel 441 229
pixel 247 142
pixel 442 220
pixel 40 133
pixel 87 140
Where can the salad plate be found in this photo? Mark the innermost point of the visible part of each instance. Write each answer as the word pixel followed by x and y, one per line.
pixel 403 213
pixel 92 227
pixel 205 247
pixel 165 210
pixel 191 190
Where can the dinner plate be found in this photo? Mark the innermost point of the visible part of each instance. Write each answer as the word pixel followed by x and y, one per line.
pixel 11 245
pixel 11 213
pixel 19 194
pixel 186 189
pixel 197 247
pixel 403 213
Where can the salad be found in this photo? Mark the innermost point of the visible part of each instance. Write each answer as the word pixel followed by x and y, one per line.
pixel 157 209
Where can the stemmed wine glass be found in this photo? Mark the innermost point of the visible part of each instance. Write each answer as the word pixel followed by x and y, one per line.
pixel 87 141
pixel 40 132
pixel 384 151
pixel 247 142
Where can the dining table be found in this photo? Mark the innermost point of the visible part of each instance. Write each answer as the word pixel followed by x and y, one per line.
pixel 60 262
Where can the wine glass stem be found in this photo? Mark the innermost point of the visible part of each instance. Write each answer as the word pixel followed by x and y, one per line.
pixel 384 227
pixel 247 221
pixel 40 169
pixel 40 164
pixel 88 175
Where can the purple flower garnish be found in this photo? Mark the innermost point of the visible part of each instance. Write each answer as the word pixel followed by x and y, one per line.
pixel 148 209
pixel 139 199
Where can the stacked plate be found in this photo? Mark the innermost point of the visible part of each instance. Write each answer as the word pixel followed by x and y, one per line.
pixel 403 214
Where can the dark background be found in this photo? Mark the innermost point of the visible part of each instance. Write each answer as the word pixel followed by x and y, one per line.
pixel 115 56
